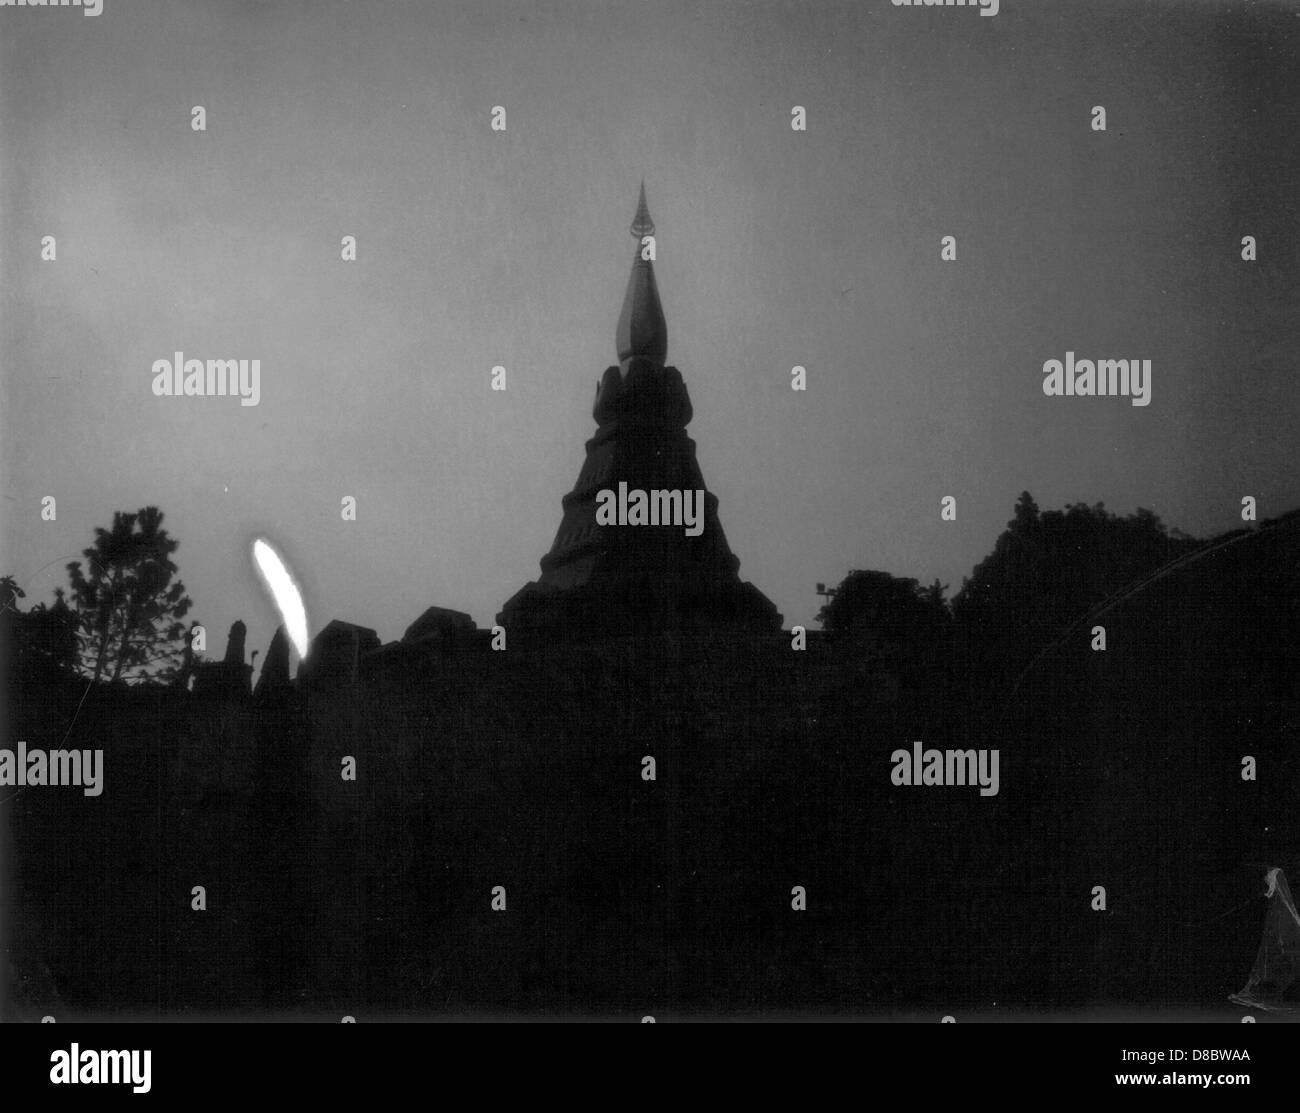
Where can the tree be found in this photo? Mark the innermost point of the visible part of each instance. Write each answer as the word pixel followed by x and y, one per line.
pixel 1046 571
pixel 896 623
pixel 128 604
pixel 40 638
pixel 1026 514
pixel 10 593
pixel 885 609
pixel 49 634
pixel 10 617
pixel 934 596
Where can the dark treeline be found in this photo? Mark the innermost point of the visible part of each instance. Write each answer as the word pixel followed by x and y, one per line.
pixel 672 893
pixel 1047 571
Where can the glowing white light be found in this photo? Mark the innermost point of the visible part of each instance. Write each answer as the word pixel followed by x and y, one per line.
pixel 284 590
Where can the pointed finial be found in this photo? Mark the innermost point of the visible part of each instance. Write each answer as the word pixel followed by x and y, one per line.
pixel 641 332
pixel 642 225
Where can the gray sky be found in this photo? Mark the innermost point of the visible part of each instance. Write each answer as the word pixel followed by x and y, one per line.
pixel 776 248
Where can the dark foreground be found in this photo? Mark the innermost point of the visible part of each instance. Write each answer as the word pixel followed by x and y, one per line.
pixel 673 897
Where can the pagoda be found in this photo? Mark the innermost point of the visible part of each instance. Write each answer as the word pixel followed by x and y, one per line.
pixel 603 579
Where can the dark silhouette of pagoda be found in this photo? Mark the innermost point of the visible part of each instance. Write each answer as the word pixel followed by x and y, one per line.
pixel 603 579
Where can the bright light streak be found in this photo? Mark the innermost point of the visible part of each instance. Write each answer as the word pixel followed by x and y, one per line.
pixel 284 590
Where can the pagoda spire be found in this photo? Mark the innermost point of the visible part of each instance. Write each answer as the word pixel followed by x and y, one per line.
pixel 642 331
pixel 613 578
pixel 642 225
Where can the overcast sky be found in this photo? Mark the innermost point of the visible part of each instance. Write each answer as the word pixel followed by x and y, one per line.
pixel 329 118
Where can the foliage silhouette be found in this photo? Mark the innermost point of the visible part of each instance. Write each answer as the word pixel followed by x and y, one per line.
pixel 129 605
pixel 1046 570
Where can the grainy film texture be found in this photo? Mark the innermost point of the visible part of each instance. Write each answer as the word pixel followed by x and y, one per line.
pixel 649 511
